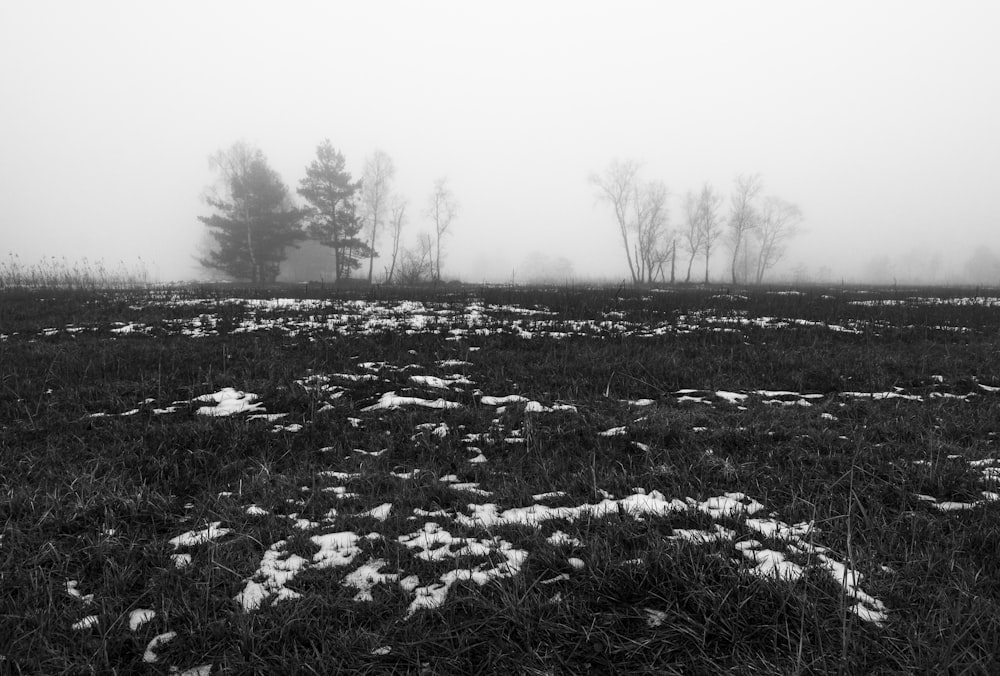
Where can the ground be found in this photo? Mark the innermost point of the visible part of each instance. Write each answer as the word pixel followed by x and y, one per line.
pixel 565 480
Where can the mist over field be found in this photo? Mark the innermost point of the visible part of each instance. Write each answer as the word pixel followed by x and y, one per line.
pixel 876 123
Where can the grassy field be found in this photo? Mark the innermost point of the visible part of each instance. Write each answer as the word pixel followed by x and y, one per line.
pixel 478 480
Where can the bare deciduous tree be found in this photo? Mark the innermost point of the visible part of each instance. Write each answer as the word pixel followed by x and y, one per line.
pixel 642 216
pixel 375 187
pixel 778 221
pixel 397 216
pixel 652 247
pixel 693 235
pixel 417 264
pixel 709 202
pixel 743 217
pixel 441 209
pixel 617 187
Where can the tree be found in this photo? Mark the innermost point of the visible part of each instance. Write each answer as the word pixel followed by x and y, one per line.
pixel 709 202
pixel 617 187
pixel 417 264
pixel 778 222
pixel 743 216
pixel 256 220
pixel 693 235
pixel 375 187
pixel 652 248
pixel 397 218
pixel 332 218
pixel 642 217
pixel 441 209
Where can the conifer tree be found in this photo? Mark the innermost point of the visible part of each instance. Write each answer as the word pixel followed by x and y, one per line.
pixel 255 220
pixel 332 218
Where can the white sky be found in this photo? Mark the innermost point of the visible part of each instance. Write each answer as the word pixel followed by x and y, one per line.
pixel 878 119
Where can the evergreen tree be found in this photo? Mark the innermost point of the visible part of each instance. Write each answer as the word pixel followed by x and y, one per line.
pixel 255 221
pixel 333 219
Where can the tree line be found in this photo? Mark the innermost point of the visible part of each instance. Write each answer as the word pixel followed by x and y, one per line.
pixel 755 230
pixel 256 220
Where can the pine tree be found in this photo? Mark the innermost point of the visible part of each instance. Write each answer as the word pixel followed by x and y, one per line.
pixel 333 219
pixel 255 221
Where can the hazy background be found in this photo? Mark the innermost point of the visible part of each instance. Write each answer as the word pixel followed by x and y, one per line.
pixel 880 120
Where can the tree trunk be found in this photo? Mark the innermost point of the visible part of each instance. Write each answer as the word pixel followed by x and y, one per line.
pixel 736 254
pixel 687 279
pixel 371 245
pixel 254 266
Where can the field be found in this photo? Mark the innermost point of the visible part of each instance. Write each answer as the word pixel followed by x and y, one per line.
pixel 479 480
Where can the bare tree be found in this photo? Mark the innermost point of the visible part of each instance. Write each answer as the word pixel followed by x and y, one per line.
pixel 778 222
pixel 693 234
pixel 441 209
pixel 416 264
pixel 642 216
pixel 743 216
pixel 651 229
pixel 375 187
pixel 397 216
pixel 617 186
pixel 709 202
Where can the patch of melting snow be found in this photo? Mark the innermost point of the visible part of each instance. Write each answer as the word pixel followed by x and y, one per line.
pixel 139 617
pixel 293 427
pixel 197 537
pixel 86 623
pixel 201 670
pixel 380 513
pixel 502 401
pixel 391 400
pixel 150 656
pixel 879 396
pixel 452 363
pixel 228 401
pixel 560 539
pixel 365 577
pixel 470 487
pixel 703 536
pixel 268 417
pixel 731 397
pixel 340 476
pixel 72 588
pixel 435 544
pixel 340 492
pixel 536 407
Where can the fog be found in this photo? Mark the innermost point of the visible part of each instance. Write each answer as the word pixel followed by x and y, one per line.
pixel 879 120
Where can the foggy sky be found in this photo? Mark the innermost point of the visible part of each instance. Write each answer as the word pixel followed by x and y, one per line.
pixel 878 119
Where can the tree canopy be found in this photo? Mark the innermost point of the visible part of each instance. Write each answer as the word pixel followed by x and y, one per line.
pixel 332 217
pixel 255 220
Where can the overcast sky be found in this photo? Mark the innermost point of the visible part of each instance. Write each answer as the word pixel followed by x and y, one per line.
pixel 879 119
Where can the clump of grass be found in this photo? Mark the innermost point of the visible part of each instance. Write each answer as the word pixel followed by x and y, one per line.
pixel 53 273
